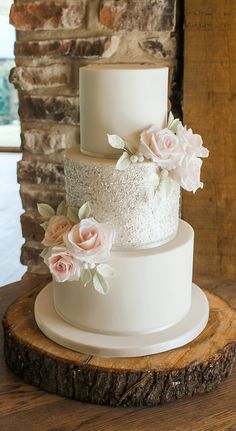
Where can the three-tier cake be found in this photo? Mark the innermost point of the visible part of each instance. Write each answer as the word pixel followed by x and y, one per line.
pixel 120 257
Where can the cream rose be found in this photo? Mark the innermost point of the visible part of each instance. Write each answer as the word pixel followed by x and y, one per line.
pixel 188 174
pixel 90 241
pixel 191 142
pixel 58 226
pixel 63 266
pixel 162 147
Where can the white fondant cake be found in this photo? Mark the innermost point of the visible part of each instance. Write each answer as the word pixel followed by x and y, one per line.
pixel 121 266
pixel 120 99
pixel 151 290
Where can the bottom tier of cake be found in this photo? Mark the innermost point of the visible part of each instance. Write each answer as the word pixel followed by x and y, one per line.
pixel 151 291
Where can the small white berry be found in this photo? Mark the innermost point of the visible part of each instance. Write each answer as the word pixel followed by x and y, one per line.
pixel 134 158
pixel 85 265
pixel 92 265
pixel 140 159
pixel 164 173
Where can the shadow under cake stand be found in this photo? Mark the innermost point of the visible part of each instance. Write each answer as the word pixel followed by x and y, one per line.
pixel 196 367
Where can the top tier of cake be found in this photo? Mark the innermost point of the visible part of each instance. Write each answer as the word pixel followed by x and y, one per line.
pixel 121 100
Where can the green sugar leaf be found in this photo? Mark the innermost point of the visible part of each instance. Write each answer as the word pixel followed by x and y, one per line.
pixel 116 141
pixel 72 214
pixel 100 284
pixel 61 209
pixel 85 211
pixel 45 210
pixel 85 276
pixel 123 162
pixel 105 270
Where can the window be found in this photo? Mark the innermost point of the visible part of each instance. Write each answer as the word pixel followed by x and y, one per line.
pixel 9 121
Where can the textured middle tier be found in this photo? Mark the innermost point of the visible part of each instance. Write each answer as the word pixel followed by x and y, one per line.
pixel 143 206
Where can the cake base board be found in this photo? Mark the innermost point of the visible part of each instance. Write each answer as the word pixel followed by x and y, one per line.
pixel 134 345
pixel 198 367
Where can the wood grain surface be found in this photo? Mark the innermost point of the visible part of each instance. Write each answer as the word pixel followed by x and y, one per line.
pixel 24 407
pixel 197 367
pixel 209 108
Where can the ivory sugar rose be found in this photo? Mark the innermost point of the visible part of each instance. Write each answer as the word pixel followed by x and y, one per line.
pixel 188 174
pixel 90 241
pixel 162 147
pixel 58 226
pixel 191 142
pixel 63 265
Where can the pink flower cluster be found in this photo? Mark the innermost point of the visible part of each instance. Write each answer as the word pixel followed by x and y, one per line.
pixel 76 246
pixel 178 153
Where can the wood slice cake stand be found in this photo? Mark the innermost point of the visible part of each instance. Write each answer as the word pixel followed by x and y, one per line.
pixel 195 368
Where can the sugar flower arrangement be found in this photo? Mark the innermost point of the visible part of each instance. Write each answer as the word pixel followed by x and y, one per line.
pixel 76 245
pixel 175 149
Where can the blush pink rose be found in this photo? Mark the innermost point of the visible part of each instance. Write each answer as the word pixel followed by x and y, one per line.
pixel 162 147
pixel 90 241
pixel 191 142
pixel 58 226
pixel 188 174
pixel 63 266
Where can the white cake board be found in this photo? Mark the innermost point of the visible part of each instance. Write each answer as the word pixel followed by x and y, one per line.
pixel 55 328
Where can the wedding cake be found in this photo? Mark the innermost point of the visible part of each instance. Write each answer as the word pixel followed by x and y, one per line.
pixel 120 258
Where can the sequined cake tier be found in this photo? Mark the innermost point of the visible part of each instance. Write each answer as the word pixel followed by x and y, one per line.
pixel 140 202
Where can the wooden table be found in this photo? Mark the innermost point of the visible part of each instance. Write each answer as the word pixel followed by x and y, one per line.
pixel 24 407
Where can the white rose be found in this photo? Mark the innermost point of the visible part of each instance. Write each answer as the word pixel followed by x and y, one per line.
pixel 188 174
pixel 191 142
pixel 63 266
pixel 162 147
pixel 90 241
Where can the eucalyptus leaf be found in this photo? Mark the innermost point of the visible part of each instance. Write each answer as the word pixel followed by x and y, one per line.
pixel 100 284
pixel 86 276
pixel 44 225
pixel 116 141
pixel 174 125
pixel 170 120
pixel 45 210
pixel 123 162
pixel 61 209
pixel 84 211
pixel 105 270
pixel 44 253
pixel 72 214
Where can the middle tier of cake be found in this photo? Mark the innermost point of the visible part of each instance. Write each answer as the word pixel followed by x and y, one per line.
pixel 140 202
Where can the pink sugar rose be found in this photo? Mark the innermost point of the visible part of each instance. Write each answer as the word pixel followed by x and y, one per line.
pixel 90 241
pixel 188 174
pixel 63 266
pixel 191 142
pixel 58 226
pixel 162 147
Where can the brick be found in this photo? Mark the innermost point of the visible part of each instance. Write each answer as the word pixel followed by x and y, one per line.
pixel 38 172
pixel 162 47
pixel 93 47
pixel 38 141
pixel 31 78
pixel 31 194
pixel 142 15
pixel 40 269
pixel 60 109
pixel 30 253
pixel 48 15
pixel 30 223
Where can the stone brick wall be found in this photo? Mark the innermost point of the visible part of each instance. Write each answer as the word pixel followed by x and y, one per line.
pixel 55 38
